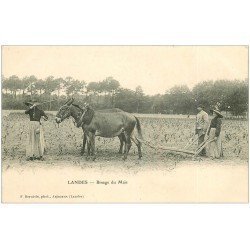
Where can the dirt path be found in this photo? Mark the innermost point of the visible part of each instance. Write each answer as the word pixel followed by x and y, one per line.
pixel 79 182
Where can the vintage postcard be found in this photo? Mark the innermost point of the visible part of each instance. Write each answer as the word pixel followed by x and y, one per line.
pixel 124 124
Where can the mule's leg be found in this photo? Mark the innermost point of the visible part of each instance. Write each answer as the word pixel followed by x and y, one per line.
pixel 127 144
pixel 88 146
pixel 125 148
pixel 83 143
pixel 122 139
pixel 138 144
pixel 92 145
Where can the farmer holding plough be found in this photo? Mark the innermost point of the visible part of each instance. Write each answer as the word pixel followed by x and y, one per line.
pixel 214 148
pixel 201 126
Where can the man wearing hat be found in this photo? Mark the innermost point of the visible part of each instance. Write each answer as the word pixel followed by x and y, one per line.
pixel 214 148
pixel 36 144
pixel 201 126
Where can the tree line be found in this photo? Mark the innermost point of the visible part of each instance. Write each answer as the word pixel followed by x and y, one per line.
pixel 180 99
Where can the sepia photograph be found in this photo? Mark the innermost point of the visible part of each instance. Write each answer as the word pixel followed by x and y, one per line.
pixel 124 124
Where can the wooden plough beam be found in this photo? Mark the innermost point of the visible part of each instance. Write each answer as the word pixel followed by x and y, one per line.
pixel 195 153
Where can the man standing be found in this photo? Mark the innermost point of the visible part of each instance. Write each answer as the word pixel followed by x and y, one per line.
pixel 201 126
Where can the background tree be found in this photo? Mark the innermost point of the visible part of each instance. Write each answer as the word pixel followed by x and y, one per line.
pixel 69 85
pixel 139 97
pixel 125 100
pixel 113 88
pixel 232 95
pixel 5 85
pixel 158 104
pixel 179 100
pixel 14 84
pixel 50 86
pixel 203 93
pixel 83 87
pixel 92 90
pixel 28 84
pixel 40 86
pixel 237 99
pixel 59 84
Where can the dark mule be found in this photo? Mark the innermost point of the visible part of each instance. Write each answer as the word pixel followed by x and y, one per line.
pixel 110 124
pixel 73 110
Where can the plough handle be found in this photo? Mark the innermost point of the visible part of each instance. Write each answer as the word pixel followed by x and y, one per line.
pixel 191 142
pixel 203 145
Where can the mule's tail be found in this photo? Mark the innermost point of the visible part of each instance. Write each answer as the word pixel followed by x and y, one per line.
pixel 138 126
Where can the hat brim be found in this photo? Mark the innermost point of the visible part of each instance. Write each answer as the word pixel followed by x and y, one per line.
pixel 31 103
pixel 28 103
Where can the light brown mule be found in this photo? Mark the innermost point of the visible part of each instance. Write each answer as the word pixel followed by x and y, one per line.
pixel 69 109
pixel 110 124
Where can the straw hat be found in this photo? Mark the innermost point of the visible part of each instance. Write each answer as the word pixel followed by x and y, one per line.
pixel 31 102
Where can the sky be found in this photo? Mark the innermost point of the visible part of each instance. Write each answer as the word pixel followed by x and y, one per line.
pixel 155 68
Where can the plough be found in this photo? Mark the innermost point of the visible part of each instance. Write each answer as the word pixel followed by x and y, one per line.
pixel 185 149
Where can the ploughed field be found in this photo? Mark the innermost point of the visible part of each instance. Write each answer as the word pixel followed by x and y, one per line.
pixel 64 142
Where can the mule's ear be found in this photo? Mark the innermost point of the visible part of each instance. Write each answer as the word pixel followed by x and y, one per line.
pixel 70 102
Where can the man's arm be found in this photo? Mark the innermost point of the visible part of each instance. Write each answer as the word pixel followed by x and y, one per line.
pixel 218 127
pixel 44 115
pixel 206 122
pixel 27 111
pixel 196 131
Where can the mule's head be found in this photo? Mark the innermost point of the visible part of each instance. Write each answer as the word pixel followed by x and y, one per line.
pixel 64 111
